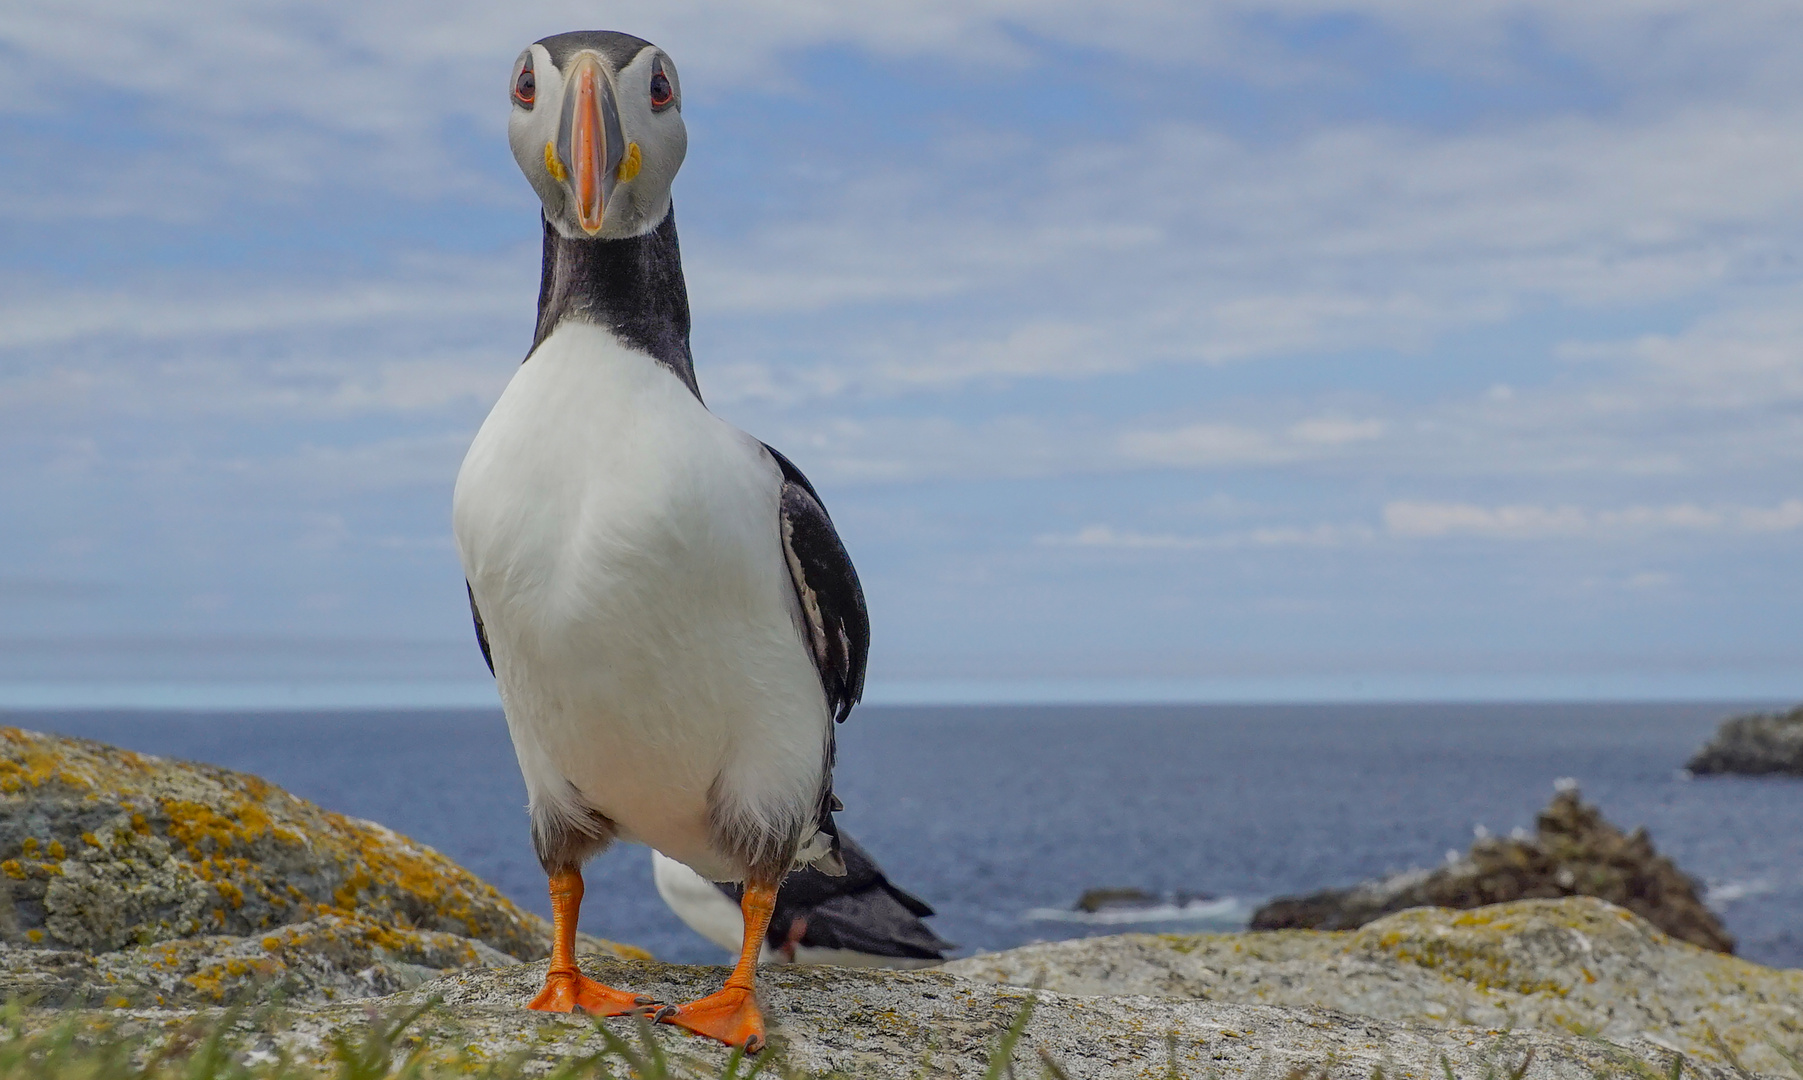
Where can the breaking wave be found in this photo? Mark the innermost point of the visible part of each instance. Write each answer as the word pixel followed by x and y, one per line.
pixel 1226 912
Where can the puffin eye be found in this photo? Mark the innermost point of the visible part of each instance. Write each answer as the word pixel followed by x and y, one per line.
pixel 525 87
pixel 661 93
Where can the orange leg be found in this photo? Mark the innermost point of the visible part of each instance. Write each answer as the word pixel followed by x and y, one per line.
pixel 567 988
pixel 732 1014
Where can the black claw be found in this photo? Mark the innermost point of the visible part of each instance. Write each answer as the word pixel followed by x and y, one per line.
pixel 644 999
pixel 663 1012
pixel 753 1045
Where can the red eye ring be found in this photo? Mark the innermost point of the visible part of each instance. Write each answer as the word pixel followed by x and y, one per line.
pixel 662 93
pixel 525 86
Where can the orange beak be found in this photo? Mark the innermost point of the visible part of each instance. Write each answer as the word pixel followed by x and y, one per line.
pixel 590 140
pixel 588 147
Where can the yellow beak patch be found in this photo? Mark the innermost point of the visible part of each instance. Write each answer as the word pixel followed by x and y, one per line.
pixel 554 166
pixel 629 165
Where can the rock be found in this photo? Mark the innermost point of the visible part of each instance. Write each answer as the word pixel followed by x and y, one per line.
pixel 156 889
pixel 894 1024
pixel 1758 744
pixel 332 957
pixel 129 878
pixel 1096 901
pixel 1576 965
pixel 1574 852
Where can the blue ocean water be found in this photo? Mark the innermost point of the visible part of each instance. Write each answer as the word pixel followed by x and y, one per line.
pixel 997 814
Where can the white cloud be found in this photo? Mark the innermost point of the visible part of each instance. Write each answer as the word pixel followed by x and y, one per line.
pixel 1215 250
pixel 1433 520
pixel 427 460
pixel 985 296
pixel 1749 356
pixel 1278 536
pixel 358 57
pixel 260 304
pixel 1218 445
pixel 422 339
pixel 1335 430
pixel 1204 445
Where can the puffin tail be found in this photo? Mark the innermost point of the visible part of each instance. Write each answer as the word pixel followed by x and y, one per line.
pixel 822 851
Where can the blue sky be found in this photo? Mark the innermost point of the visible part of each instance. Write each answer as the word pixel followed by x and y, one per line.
pixel 1282 349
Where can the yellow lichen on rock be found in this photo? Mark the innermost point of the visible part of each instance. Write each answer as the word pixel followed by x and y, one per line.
pixel 162 848
pixel 164 882
pixel 1578 965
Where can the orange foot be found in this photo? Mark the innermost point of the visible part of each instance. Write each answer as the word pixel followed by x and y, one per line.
pixel 731 1016
pixel 567 990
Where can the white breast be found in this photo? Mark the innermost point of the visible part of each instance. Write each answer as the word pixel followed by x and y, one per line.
pixel 623 546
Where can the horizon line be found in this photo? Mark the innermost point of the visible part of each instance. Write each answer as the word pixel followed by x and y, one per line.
pixel 301 696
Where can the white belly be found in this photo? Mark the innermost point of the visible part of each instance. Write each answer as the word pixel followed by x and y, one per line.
pixel 623 546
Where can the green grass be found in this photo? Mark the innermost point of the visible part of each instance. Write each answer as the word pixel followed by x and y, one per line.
pixel 86 1045
pixel 89 1045
pixel 82 1046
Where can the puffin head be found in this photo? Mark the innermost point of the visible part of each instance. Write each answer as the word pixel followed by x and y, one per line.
pixel 597 129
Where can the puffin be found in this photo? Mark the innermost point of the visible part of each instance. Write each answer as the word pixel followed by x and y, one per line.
pixel 672 621
pixel 856 919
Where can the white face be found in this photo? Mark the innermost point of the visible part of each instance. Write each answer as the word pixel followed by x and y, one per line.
pixel 601 147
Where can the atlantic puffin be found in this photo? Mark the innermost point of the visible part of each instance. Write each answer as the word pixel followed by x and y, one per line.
pixel 672 621
pixel 856 919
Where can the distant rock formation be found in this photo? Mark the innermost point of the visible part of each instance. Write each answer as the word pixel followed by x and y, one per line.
pixel 1574 852
pixel 1097 901
pixel 1759 744
pixel 134 879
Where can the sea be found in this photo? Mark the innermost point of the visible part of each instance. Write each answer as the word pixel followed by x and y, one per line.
pixel 1001 817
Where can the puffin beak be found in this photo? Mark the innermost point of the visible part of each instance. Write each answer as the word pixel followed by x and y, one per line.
pixel 589 140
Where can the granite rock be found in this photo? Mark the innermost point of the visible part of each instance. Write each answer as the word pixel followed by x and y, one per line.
pixel 1573 852
pixel 128 878
pixel 1758 744
pixel 895 1024
pixel 1578 965
pixel 150 892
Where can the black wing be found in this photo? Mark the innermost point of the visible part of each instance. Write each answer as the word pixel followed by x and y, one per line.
pixel 832 601
pixel 862 911
pixel 481 631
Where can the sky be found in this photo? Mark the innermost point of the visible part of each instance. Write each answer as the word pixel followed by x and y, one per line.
pixel 1142 350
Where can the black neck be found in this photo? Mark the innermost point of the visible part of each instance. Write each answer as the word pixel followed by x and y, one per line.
pixel 633 287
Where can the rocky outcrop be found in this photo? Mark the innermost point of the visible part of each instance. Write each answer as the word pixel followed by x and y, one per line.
pixel 329 958
pixel 1574 852
pixel 1576 965
pixel 131 879
pixel 1423 996
pixel 1759 744
pixel 141 894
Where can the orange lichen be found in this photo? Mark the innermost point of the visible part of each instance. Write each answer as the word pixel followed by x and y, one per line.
pixel 203 831
pixel 271 857
pixel 210 982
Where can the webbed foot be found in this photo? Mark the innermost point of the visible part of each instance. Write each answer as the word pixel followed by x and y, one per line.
pixel 731 1016
pixel 567 989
